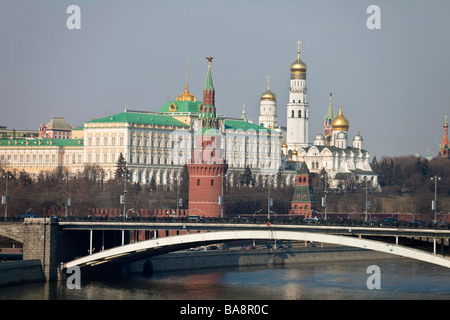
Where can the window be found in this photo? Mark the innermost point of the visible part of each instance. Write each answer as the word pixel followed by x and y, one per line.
pixel 292 113
pixel 212 182
pixel 198 182
pixel 299 113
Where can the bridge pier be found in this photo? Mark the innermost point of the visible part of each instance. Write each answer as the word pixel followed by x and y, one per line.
pixel 40 237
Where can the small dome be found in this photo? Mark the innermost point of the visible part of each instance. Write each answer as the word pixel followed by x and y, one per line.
pixel 358 137
pixel 319 137
pixel 284 145
pixel 341 135
pixel 268 96
pixel 294 152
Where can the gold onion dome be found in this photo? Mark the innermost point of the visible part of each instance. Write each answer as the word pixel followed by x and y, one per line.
pixel 294 152
pixel 298 66
pixel 284 145
pixel 268 95
pixel 340 122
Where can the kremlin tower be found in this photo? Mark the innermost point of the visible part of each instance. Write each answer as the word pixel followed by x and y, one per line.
pixel 444 147
pixel 303 202
pixel 208 167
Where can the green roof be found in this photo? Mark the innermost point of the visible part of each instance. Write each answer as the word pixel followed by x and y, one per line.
pixel 141 118
pixel 208 83
pixel 243 125
pixel 42 143
pixel 180 107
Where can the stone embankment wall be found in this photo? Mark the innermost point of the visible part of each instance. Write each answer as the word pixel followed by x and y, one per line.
pixel 23 271
pixel 236 258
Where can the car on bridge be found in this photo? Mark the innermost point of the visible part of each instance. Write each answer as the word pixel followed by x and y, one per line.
pixel 418 223
pixel 389 221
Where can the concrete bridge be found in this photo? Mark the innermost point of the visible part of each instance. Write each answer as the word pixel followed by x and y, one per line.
pixel 60 245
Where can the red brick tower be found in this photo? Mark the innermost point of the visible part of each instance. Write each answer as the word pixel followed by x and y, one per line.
pixel 444 147
pixel 303 202
pixel 208 167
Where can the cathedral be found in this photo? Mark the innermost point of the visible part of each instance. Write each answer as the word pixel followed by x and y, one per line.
pixel 345 164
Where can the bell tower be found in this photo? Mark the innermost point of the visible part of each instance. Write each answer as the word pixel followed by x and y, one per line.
pixel 297 107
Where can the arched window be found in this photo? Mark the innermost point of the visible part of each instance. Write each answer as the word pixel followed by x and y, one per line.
pixel 306 207
pixel 304 179
pixel 198 182
pixel 299 113
pixel 292 113
pixel 212 182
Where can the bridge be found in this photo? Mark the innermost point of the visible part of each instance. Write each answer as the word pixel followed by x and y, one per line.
pixel 64 244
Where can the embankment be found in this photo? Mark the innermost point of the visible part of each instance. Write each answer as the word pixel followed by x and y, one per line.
pixel 180 261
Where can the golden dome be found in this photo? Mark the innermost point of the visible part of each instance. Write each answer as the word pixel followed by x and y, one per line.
pixel 340 122
pixel 298 66
pixel 284 145
pixel 186 95
pixel 294 152
pixel 268 95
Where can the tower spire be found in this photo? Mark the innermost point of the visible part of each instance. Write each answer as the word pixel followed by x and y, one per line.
pixel 444 148
pixel 208 89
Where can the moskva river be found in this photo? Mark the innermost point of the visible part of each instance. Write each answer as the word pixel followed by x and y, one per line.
pixel 392 279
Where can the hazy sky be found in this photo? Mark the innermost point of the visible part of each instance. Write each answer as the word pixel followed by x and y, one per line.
pixel 393 83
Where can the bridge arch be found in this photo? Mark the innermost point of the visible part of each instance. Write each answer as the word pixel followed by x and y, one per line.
pixel 163 245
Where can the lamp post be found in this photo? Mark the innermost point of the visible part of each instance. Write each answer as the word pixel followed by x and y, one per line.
pixel 66 178
pixel 268 196
pixel 5 198
pixel 434 204
pixel 324 203
pixel 365 217
pixel 178 181
pixel 221 198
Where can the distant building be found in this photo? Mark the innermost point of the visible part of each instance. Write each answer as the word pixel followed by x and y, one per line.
pixel 6 133
pixel 57 128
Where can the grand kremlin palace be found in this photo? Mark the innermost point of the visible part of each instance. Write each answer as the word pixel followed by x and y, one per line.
pixel 158 144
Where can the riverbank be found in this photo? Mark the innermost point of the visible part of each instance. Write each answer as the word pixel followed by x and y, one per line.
pixel 188 260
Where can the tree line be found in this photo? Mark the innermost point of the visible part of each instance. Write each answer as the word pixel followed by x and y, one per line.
pixel 405 181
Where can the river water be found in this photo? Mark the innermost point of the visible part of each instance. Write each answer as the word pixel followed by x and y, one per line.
pixel 399 279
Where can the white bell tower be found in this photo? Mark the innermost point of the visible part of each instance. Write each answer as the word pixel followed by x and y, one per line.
pixel 297 107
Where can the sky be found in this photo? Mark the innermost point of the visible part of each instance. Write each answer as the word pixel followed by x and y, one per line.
pixel 392 83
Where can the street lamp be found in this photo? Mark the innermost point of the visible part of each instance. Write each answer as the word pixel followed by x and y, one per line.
pixel 67 200
pixel 365 217
pixel 221 198
pixel 5 198
pixel 269 200
pixel 178 181
pixel 434 203
pixel 324 200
